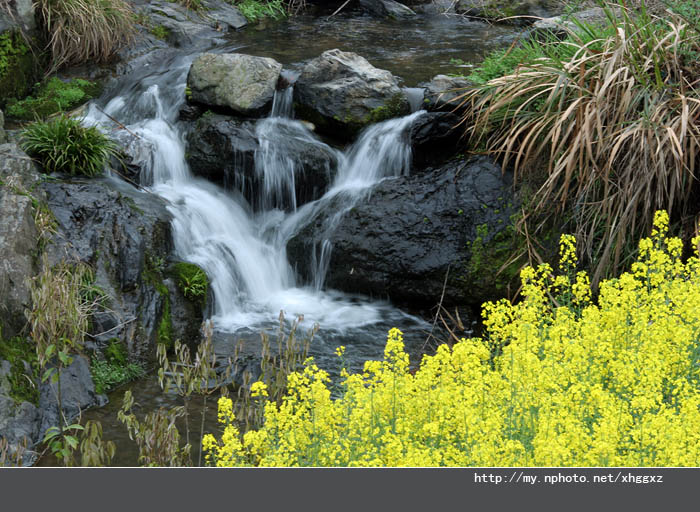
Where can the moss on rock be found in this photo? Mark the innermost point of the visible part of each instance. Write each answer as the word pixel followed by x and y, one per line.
pixel 192 281
pixel 52 96
pixel 19 67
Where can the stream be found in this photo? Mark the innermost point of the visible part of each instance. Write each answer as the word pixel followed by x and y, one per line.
pixel 242 249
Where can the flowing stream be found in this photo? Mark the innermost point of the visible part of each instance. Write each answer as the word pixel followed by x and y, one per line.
pixel 242 246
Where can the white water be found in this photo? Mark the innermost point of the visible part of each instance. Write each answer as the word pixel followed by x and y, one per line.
pixel 242 250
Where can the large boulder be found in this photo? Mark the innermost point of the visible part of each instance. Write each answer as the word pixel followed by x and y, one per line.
pixel 514 12
pixel 561 25
pixel 387 9
pixel 341 92
pixel 449 225
pixel 125 236
pixel 18 236
pixel 241 83
pixel 77 394
pixel 237 153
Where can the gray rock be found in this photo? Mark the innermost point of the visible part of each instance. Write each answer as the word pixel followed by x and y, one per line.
pixel 243 83
pixel 18 236
pixel 341 92
pixel 443 91
pixel 513 12
pixel 186 316
pixel 125 235
pixel 387 9
pixel 19 423
pixel 77 394
pixel 560 25
pixel 3 137
pixel 22 16
pixel 401 242
pixel 436 7
pixel 224 150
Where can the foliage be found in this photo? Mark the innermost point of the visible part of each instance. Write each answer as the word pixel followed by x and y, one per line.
pixel 21 354
pixel 18 66
pixel 157 435
pixel 613 119
pixel 556 381
pixel 64 145
pixel 82 31
pixel 192 281
pixel 257 10
pixel 53 96
pixel 114 370
pixel 161 32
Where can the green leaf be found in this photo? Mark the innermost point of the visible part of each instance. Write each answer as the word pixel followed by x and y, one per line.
pixel 65 358
pixel 50 350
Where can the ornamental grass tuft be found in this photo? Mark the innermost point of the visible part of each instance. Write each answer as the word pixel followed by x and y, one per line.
pixel 612 120
pixel 63 144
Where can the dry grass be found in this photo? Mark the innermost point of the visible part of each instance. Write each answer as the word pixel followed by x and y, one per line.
pixel 79 31
pixel 618 128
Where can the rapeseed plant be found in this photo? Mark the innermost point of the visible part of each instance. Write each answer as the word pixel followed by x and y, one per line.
pixel 556 380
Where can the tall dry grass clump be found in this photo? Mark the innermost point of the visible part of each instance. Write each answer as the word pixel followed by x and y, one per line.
pixel 616 126
pixel 79 31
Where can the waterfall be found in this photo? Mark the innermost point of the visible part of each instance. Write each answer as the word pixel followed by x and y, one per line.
pixel 241 248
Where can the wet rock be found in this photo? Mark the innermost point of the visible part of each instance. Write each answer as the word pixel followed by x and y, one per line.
pixel 434 138
pixel 242 83
pixel 513 12
pixel 186 316
pixel 19 423
pixel 18 236
pixel 341 92
pixel 415 230
pixel 387 9
pixel 436 7
pixel 77 394
pixel 125 235
pixel 443 92
pixel 224 150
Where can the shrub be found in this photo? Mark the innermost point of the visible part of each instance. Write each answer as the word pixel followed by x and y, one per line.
pixel 613 122
pixel 256 10
pixel 64 145
pixel 557 380
pixel 81 31
pixel 51 97
pixel 192 281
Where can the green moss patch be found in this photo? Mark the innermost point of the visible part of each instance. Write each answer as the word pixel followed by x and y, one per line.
pixel 19 67
pixel 115 369
pixel 21 354
pixel 192 281
pixel 53 96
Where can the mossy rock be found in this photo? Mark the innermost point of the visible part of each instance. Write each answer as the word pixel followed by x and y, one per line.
pixel 23 377
pixel 192 281
pixel 19 67
pixel 52 96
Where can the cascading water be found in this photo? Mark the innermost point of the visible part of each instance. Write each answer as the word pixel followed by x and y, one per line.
pixel 241 248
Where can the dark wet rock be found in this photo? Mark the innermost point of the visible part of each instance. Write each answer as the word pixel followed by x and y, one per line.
pixel 77 394
pixel 387 9
pixel 245 84
pixel 19 423
pixel 224 150
pixel 18 235
pixel 186 316
pixel 125 236
pixel 341 92
pixel 401 242
pixel 434 138
pixel 513 12
pixel 3 137
pixel 443 92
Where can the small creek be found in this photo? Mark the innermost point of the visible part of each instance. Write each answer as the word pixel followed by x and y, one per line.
pixel 243 252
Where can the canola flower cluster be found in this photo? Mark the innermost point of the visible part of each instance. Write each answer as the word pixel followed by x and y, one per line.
pixel 556 381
